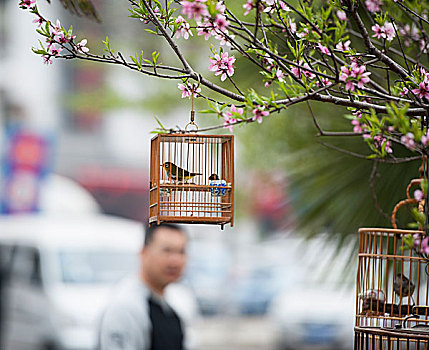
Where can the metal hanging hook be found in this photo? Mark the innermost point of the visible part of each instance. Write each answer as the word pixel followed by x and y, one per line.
pixel 192 122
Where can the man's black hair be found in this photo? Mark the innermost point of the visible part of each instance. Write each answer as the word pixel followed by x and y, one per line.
pixel 150 231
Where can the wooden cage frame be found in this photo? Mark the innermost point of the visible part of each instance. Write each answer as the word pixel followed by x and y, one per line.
pixel 392 291
pixel 198 200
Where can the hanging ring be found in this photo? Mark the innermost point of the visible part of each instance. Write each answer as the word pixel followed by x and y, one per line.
pixel 191 123
pixel 199 81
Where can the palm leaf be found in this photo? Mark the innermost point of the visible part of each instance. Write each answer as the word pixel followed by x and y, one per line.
pixel 80 7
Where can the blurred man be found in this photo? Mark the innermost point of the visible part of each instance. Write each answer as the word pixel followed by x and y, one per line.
pixel 138 317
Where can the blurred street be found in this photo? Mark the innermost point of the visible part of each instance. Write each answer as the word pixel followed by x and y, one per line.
pixel 236 333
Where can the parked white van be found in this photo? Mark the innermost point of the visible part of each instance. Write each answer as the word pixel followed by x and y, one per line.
pixel 60 271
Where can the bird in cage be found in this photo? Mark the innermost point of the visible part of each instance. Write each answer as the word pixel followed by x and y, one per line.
pixel 176 173
pixel 402 286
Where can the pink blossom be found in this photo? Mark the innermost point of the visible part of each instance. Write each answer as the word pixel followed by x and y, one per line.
pixel 358 114
pixel 183 28
pixel 234 112
pixel 298 71
pixel 418 195
pixel 343 45
pixel 50 42
pixel 194 9
pixel 423 45
pixel 55 50
pixel 386 31
pixel 381 142
pixel 269 5
pixel 425 245
pixel 425 139
pixel 280 75
pixel 378 31
pixel 81 46
pixel 323 49
pixel 341 15
pixel 408 140
pixel 373 5
pixel 422 91
pixel 39 20
pixel 387 147
pixel 403 92
pixel 354 76
pixel 248 6
pixel 47 59
pixel 268 62
pixel 303 33
pixel 292 26
pixel 389 31
pixel 221 22
pixel 357 128
pixel 416 238
pixel 26 4
pixel 220 7
pixel 325 82
pixel 157 13
pixel 284 7
pixel 57 28
pixel 425 75
pixel 223 38
pixel 64 38
pixel 229 122
pixel 259 113
pixel 222 65
pixel 188 90
pixel 205 28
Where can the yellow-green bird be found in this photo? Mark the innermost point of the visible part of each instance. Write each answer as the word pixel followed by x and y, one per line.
pixel 176 173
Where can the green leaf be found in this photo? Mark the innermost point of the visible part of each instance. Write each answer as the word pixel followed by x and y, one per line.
pixel 151 31
pixel 160 124
pixel 207 111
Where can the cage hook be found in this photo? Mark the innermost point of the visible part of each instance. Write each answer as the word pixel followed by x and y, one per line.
pixel 192 122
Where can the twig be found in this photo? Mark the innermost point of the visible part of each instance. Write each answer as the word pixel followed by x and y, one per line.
pixel 374 194
pixel 362 156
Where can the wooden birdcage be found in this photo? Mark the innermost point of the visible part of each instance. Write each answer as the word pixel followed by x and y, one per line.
pixel 392 295
pixel 192 179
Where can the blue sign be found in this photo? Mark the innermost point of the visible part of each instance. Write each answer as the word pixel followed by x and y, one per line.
pixel 25 162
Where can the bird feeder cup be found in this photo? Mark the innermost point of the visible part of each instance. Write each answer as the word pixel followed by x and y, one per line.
pixel 192 179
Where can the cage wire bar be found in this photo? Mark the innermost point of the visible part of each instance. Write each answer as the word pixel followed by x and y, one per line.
pixel 198 185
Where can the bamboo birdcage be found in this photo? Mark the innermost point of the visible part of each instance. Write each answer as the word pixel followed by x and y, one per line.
pixel 207 197
pixel 392 292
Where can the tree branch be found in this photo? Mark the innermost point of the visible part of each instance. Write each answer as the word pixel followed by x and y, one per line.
pixel 371 48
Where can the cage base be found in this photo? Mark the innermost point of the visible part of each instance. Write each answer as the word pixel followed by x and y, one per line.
pixel 191 220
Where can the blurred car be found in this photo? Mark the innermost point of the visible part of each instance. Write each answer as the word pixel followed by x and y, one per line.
pixel 59 273
pixel 317 310
pixel 255 288
pixel 207 273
